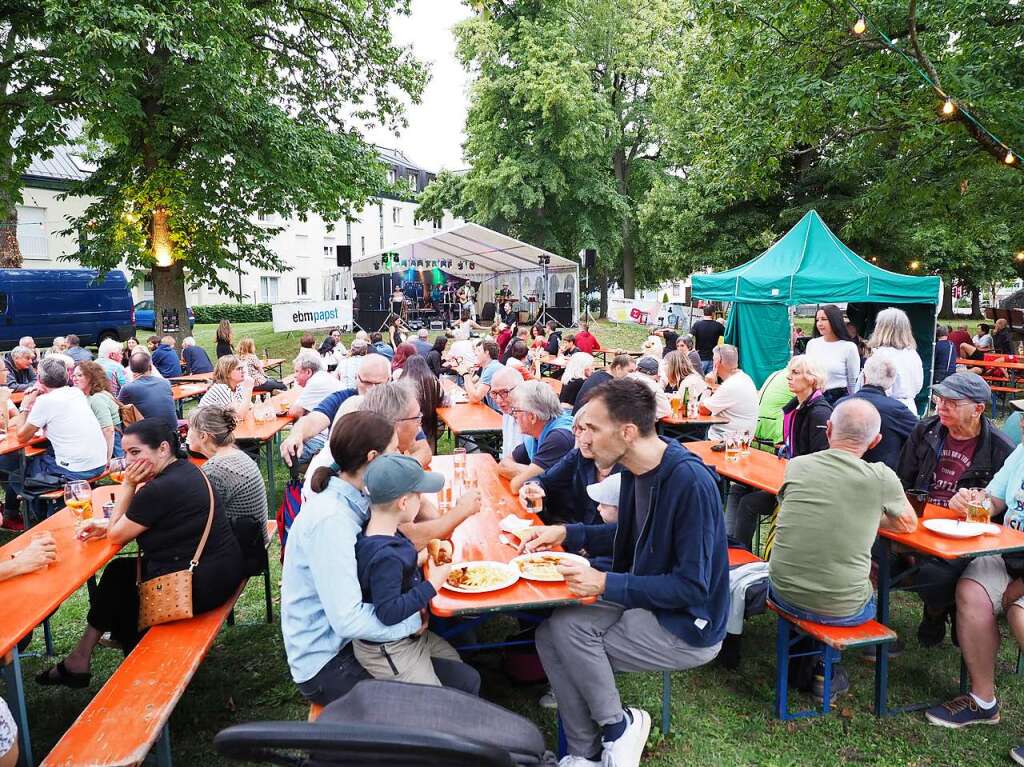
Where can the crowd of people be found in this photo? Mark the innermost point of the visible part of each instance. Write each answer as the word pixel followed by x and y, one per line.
pixel 645 512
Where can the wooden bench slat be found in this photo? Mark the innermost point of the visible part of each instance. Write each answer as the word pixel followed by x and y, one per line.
pixel 840 637
pixel 739 557
pixel 124 720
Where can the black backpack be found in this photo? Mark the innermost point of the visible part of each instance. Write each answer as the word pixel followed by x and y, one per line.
pixel 249 533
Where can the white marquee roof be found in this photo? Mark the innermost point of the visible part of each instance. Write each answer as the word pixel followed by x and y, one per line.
pixel 491 251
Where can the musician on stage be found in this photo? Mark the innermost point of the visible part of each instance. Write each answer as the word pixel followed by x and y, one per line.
pixel 398 301
pixel 467 300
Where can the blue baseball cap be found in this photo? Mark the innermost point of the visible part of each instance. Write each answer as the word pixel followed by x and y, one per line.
pixel 391 476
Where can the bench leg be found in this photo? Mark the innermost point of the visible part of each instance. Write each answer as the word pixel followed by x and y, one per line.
pixel 782 670
pixel 268 593
pixel 48 637
pixel 231 617
pixel 163 747
pixel 562 747
pixel 16 693
pixel 666 697
pixel 828 655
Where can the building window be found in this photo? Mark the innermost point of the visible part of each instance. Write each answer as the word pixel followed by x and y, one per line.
pixel 31 233
pixel 437 223
pixel 268 290
pixel 327 251
pixel 302 245
pixel 393 175
pixel 380 210
pixel 396 215
pixel 362 244
pixel 302 286
pixel 263 217
pixel 147 287
pixel 412 183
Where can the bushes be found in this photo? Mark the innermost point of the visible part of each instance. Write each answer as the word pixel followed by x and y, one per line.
pixel 232 312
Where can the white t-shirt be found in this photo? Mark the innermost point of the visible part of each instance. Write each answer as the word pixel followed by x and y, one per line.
pixel 71 427
pixel 464 350
pixel 511 436
pixel 909 374
pixel 735 399
pixel 663 406
pixel 346 371
pixel 839 361
pixel 319 385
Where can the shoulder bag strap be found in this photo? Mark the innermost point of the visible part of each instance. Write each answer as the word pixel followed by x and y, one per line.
pixel 209 524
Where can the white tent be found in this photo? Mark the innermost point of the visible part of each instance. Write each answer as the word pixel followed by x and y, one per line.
pixel 474 252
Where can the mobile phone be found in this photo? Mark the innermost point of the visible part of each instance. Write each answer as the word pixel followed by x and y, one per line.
pixel 718 447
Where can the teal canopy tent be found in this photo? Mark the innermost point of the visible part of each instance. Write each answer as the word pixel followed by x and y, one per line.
pixel 810 265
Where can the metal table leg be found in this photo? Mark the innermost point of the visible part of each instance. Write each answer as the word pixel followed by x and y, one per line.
pixel 882 651
pixel 16 689
pixel 269 445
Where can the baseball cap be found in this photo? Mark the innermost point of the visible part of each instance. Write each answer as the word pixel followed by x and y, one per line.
pixel 391 476
pixel 647 365
pixel 607 490
pixel 964 386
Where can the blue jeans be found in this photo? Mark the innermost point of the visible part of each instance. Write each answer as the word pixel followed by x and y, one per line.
pixel 37 467
pixel 705 366
pixel 313 446
pixel 866 614
pixel 118 451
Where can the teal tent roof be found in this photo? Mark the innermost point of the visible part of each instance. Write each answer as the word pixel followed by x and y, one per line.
pixel 810 265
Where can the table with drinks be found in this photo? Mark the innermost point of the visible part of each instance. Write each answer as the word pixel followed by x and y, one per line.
pixel 265 421
pixel 472 421
pixel 686 423
pixel 30 598
pixel 486 537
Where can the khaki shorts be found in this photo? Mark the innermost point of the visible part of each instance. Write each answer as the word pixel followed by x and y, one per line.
pixel 990 573
pixel 406 660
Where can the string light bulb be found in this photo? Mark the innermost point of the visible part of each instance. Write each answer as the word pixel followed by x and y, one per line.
pixel 860 27
pixel 915 264
pixel 1020 255
pixel 948 108
pixel 1010 158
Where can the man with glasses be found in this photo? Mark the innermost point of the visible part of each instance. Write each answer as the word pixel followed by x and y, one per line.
pixel 958 447
pixel 547 433
pixel 503 384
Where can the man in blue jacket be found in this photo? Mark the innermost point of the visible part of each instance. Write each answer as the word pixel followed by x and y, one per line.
pixel 897 420
pixel 165 359
pixel 663 605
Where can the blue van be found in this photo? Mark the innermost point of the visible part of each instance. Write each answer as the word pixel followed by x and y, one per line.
pixel 45 303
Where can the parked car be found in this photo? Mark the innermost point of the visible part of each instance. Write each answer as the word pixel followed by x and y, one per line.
pixel 144 315
pixel 45 303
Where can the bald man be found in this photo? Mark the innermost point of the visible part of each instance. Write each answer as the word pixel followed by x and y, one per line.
pixel 831 507
pixel 734 399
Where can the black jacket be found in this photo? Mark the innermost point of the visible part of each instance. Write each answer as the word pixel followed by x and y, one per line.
pixel 18 380
pixel 808 428
pixel 923 446
pixel 897 423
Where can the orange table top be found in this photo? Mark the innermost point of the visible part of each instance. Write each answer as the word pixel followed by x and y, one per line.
pixel 195 378
pixel 186 390
pixel 261 431
pixel 991 364
pixel 701 420
pixel 759 469
pixel 28 599
pixel 469 418
pixel 17 397
pixel 11 444
pixel 933 544
pixel 476 539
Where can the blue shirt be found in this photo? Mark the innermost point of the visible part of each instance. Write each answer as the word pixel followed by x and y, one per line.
pixel 165 359
pixel 197 359
pixel 1008 486
pixel 382 349
pixel 152 396
pixel 115 372
pixel 330 404
pixel 486 376
pixel 322 607
pixel 390 578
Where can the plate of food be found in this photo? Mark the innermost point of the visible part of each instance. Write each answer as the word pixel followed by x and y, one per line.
pixel 543 565
pixel 954 528
pixel 480 577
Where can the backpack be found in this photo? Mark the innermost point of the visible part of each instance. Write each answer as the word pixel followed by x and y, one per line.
pixel 129 413
pixel 289 509
pixel 249 533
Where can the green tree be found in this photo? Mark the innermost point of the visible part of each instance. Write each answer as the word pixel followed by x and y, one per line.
pixel 35 106
pixel 205 116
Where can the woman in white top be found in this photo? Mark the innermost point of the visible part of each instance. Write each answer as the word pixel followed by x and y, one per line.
pixel 230 387
pixel 833 351
pixel 893 339
pixel 679 375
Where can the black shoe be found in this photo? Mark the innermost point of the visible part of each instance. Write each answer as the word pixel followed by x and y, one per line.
pixel 895 650
pixel 59 676
pixel 729 656
pixel 840 684
pixel 932 629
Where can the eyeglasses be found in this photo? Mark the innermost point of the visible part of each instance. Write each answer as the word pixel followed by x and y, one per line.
pixel 417 418
pixel 950 403
pixel 502 392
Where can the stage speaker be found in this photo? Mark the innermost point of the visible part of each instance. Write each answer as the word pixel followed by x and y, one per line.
pixel 487 313
pixel 436 325
pixel 589 258
pixel 561 315
pixel 563 300
pixel 371 320
pixel 344 253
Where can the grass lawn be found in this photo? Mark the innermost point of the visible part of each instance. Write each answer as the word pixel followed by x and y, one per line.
pixel 718 717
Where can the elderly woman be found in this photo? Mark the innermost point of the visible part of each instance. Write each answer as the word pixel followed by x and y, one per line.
pixel 254 367
pixel 579 368
pixel 93 381
pixel 547 433
pixel 166 506
pixel 894 339
pixel 348 367
pixel 229 387
pixel 322 608
pixel 235 477
pixel 804 419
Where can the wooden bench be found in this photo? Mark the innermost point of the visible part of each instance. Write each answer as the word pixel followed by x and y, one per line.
pixel 130 713
pixel 829 641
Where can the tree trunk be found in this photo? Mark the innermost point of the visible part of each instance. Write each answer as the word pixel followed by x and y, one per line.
pixel 10 252
pixel 169 293
pixel 947 298
pixel 602 284
pixel 975 302
pixel 621 166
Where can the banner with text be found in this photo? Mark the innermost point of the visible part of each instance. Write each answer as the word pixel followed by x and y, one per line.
pixel 312 314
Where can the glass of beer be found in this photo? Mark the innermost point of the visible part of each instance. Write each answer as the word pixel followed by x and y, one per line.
pixel 117 467
pixel 745 438
pixel 732 446
pixel 979 508
pixel 78 498
pixel 444 499
pixel 677 406
pixel 469 482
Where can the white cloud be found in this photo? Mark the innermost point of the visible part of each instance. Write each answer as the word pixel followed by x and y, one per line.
pixel 434 136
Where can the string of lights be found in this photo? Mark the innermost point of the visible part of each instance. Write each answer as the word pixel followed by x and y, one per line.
pixel 950 105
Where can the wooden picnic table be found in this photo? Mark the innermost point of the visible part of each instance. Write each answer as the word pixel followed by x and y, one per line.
pixel 760 470
pixel 476 539
pixel 684 428
pixel 603 353
pixel 194 378
pixel 1005 364
pixel 265 433
pixel 29 599
pixel 273 362
pixel 188 390
pixel 470 418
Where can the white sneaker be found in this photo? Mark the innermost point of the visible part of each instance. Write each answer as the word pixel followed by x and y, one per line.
pixel 548 700
pixel 577 761
pixel 627 750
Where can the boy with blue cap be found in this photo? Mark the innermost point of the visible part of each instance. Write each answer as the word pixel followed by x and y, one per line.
pixel 390 577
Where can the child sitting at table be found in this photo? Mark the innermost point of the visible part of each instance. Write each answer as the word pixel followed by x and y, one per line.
pixel 606 495
pixel 389 576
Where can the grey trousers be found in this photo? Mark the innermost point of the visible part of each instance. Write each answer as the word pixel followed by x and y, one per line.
pixel 583 647
pixel 743 511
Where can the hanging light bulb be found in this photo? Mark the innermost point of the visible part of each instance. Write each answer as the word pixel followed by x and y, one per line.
pixel 949 107
pixel 1020 255
pixel 1010 158
pixel 915 264
pixel 860 27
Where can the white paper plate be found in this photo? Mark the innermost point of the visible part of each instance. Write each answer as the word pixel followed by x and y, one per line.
pixel 510 523
pixel 511 576
pixel 953 528
pixel 561 555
